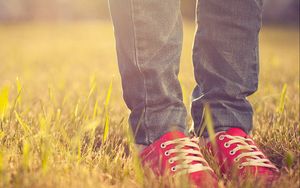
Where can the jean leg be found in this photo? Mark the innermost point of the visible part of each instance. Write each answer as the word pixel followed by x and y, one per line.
pixel 225 58
pixel 149 40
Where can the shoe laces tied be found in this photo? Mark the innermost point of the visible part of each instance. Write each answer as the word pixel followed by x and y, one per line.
pixel 187 155
pixel 253 156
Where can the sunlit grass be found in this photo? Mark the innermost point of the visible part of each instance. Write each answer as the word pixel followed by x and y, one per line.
pixel 64 123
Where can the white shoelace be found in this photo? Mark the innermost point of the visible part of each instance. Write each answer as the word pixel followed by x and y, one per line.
pixel 254 157
pixel 186 156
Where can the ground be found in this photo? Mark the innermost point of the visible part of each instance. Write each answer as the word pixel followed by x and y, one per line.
pixel 64 123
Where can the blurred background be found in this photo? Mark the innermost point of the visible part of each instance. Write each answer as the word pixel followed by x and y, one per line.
pixel 275 11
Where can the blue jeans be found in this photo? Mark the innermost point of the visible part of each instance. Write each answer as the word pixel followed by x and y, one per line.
pixel 225 56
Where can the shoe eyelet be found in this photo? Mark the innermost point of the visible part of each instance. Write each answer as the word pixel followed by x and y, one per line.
pixel 236 160
pixel 226 145
pixel 163 145
pixel 231 152
pixel 240 167
pixel 173 169
pixel 171 161
pixel 221 137
pixel 167 153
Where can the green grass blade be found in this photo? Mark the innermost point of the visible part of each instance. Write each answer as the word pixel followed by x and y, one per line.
pixel 106 128
pixel 209 125
pixel 19 90
pixel 2 134
pixel 280 107
pixel 45 152
pixel 76 109
pixel 95 109
pixel 108 96
pixel 24 126
pixel 44 142
pixel 289 158
pixel 92 89
pixel 107 100
pixel 4 101
pixel 139 173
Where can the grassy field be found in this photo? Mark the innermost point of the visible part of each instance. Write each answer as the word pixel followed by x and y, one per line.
pixel 64 123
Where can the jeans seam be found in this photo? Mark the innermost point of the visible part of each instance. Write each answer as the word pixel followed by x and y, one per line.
pixel 136 59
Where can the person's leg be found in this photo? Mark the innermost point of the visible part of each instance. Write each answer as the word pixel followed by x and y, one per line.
pixel 226 70
pixel 225 58
pixel 149 41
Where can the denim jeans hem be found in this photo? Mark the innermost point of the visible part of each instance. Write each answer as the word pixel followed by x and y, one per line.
pixel 223 120
pixel 148 132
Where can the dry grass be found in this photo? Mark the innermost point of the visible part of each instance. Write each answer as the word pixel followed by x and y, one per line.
pixel 61 104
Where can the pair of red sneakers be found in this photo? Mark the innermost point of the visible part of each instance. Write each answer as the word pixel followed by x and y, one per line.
pixel 176 154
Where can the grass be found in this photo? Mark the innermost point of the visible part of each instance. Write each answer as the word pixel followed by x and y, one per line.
pixel 64 123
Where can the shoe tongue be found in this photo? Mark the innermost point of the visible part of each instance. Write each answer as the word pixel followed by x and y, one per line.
pixel 173 135
pixel 236 132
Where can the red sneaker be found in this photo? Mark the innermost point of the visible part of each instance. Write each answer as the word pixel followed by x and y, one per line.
pixel 176 154
pixel 238 155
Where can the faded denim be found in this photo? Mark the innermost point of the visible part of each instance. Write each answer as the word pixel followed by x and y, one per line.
pixel 225 56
